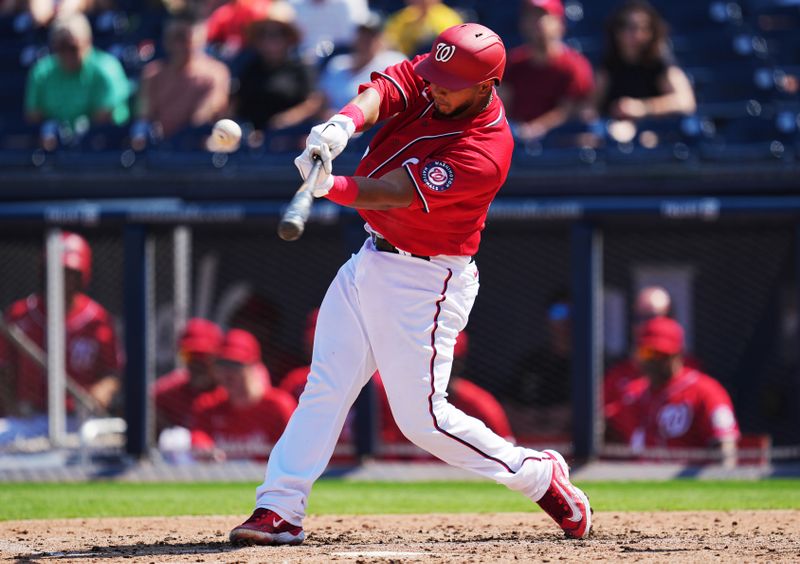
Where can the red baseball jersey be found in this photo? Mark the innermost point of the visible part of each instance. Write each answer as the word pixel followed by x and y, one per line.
pixel 457 166
pixel 174 396
pixel 623 385
pixel 691 410
pixel 538 88
pixel 92 351
pixel 243 431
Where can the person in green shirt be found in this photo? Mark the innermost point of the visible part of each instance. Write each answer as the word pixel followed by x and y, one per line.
pixel 77 82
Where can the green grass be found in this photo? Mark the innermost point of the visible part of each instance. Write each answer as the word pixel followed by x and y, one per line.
pixel 105 499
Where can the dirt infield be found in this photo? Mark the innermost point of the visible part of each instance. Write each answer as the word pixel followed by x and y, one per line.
pixel 738 536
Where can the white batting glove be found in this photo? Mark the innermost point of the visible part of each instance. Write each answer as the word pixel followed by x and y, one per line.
pixel 336 132
pixel 305 162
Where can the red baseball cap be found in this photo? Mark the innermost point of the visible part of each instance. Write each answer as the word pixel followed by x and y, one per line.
pixel 200 336
pixel 552 7
pixel 240 346
pixel 662 335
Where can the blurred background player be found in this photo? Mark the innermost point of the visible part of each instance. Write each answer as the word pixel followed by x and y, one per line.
pixel 93 359
pixel 546 82
pixel 538 396
pixel 461 392
pixel 638 77
pixel 295 380
pixel 198 347
pixel 682 406
pixel 188 87
pixel 78 82
pixel 247 415
pixel 625 382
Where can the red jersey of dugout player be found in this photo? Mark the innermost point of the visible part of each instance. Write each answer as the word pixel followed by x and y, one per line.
pixel 198 347
pixel 462 393
pixel 683 408
pixel 93 358
pixel 624 382
pixel 244 417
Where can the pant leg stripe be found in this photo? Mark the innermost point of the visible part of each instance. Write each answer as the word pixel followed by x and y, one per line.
pixel 433 388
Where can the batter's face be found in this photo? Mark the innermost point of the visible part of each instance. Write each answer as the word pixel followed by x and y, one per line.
pixel 453 104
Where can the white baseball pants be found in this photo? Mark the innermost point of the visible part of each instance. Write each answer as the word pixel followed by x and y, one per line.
pixel 401 315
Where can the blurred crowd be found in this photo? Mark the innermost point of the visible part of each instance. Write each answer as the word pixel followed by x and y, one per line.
pixel 160 71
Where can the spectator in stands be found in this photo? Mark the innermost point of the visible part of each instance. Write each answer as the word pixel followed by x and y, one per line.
pixel 539 393
pixel 413 29
pixel 462 393
pixel 682 407
pixel 248 414
pixel 93 358
pixel 545 82
pixel 638 77
pixel 175 392
pixel 328 24
pixel 343 73
pixel 78 82
pixel 276 89
pixel 227 24
pixel 188 88
pixel 43 12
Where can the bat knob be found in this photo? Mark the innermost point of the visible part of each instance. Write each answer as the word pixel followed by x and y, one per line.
pixel 290 228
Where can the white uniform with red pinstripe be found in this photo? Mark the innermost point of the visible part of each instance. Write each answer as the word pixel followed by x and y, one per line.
pixel 399 313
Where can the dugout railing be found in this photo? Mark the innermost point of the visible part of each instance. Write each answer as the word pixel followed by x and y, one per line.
pixel 731 261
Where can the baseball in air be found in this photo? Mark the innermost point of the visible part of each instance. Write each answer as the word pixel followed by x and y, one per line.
pixel 225 136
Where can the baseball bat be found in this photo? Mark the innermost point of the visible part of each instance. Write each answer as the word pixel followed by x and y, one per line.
pixel 28 347
pixel 294 218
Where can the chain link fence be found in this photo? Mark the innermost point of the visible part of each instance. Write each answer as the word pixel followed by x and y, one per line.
pixel 732 284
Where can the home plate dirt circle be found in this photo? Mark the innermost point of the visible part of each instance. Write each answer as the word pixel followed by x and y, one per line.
pixel 709 536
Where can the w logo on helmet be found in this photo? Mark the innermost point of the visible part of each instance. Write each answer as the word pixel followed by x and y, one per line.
pixel 444 52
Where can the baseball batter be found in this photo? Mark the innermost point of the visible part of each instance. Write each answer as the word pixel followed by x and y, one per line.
pixel 423 187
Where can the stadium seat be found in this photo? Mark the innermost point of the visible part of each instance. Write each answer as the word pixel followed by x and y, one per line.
pixel 748 139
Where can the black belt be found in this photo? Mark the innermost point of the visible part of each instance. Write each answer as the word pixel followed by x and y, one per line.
pixel 383 245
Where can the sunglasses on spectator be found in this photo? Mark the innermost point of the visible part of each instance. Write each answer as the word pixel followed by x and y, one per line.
pixel 633 26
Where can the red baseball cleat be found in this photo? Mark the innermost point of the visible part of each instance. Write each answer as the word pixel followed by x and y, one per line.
pixel 565 503
pixel 266 527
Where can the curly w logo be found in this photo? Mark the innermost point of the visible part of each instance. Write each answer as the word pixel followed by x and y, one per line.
pixel 444 52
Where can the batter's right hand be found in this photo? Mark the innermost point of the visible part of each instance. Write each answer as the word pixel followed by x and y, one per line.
pixel 305 162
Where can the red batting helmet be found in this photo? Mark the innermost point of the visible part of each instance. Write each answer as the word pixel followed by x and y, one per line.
pixel 77 255
pixel 463 56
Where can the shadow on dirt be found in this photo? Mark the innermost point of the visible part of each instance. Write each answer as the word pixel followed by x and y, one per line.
pixel 160 548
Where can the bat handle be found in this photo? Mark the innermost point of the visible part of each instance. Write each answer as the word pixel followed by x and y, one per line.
pixel 294 219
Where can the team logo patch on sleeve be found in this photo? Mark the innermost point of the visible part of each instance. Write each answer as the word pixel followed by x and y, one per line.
pixel 438 176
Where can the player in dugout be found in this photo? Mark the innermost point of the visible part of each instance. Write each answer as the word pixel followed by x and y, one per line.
pixel 93 358
pixel 423 187
pixel 683 407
